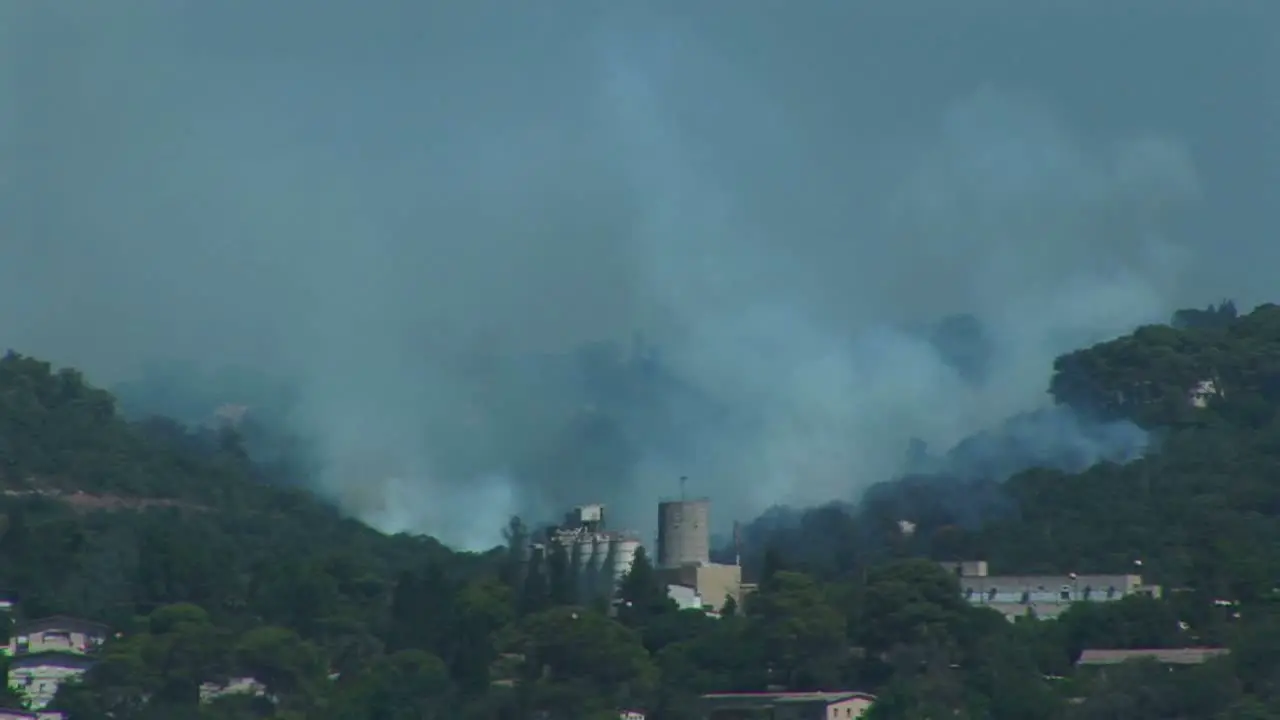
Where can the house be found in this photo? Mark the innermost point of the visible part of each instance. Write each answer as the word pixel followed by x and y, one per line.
pixel 211 691
pixel 46 652
pixel 56 634
pixel 38 675
pixel 1165 656
pixel 12 714
pixel 786 706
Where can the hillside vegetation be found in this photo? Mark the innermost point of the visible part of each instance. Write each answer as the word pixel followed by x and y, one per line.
pixel 209 569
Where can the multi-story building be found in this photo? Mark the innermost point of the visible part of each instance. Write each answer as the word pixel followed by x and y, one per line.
pixel 1044 596
pixel 45 652
pixel 14 714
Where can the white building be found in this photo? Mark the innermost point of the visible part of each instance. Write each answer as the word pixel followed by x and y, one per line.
pixel 47 651
pixel 686 598
pixel 1044 596
pixel 12 714
pixel 793 705
pixel 37 676
pixel 211 691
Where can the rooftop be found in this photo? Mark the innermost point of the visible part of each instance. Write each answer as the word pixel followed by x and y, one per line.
pixel 788 697
pixel 59 622
pixel 1169 656
pixel 51 657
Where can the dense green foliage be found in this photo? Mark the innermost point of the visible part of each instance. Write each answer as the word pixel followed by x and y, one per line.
pixel 209 573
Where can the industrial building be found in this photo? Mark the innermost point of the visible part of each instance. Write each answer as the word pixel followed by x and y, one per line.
pixel 684 554
pixel 684 532
pixel 599 557
pixel 1044 596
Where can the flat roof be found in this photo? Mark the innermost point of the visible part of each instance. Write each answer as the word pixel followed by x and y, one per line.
pixel 788 697
pixel 51 657
pixel 58 622
pixel 1170 656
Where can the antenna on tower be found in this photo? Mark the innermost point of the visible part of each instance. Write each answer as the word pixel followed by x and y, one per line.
pixel 684 479
pixel 737 544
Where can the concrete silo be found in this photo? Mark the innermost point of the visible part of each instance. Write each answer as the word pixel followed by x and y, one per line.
pixel 623 556
pixel 684 533
pixel 599 557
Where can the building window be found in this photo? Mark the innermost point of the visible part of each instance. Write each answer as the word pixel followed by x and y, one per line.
pixel 1065 593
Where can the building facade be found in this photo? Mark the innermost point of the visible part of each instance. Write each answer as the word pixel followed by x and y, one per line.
pixel 37 676
pixel 1044 596
pixel 786 706
pixel 714 584
pixel 1164 656
pixel 45 652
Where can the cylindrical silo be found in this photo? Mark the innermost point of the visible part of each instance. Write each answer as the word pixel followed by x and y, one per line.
pixel 624 556
pixel 684 534
pixel 599 550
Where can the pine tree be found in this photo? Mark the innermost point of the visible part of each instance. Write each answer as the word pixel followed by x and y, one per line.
pixel 640 595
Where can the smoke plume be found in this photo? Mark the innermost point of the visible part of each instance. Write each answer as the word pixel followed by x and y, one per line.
pixel 439 227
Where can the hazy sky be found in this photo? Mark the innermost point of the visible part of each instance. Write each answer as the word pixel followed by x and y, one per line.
pixel 358 194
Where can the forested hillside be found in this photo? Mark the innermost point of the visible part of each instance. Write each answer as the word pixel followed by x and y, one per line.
pixel 209 571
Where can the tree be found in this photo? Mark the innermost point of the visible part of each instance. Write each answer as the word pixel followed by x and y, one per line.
pixel 406 685
pixel 484 607
pixel 562 583
pixel 576 661
pixel 287 665
pixel 907 602
pixel 186 648
pixel 641 596
pixel 209 564
pixel 799 631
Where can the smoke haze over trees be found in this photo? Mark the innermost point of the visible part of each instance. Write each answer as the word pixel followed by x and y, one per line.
pixel 435 228
pixel 207 569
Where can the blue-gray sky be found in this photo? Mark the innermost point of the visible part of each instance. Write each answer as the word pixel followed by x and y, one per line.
pixel 360 194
